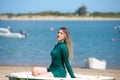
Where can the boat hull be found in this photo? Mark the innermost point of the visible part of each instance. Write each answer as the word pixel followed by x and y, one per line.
pixel 94 63
pixel 12 35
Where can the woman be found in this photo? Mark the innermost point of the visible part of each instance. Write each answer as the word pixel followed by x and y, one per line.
pixel 60 54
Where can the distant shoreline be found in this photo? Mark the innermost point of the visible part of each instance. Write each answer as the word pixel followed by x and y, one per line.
pixel 55 18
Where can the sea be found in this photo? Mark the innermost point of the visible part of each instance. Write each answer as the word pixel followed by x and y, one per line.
pixel 90 38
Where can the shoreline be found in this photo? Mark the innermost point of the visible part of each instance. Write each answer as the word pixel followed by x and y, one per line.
pixel 4 70
pixel 55 18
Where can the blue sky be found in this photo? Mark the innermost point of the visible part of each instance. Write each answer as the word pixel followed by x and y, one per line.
pixel 25 6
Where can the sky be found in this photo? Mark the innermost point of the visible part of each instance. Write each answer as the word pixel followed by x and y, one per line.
pixel 26 6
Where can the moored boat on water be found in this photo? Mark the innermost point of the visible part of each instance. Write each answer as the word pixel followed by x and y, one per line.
pixel 117 28
pixel 7 32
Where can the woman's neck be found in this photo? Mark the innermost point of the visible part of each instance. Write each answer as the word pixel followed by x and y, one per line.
pixel 60 41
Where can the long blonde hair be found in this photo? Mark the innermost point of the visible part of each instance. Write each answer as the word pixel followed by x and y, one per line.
pixel 68 42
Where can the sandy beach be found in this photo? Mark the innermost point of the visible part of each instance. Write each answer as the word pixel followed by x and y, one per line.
pixel 4 70
pixel 56 18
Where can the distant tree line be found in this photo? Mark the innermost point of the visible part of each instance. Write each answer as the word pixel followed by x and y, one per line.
pixel 81 11
pixel 108 14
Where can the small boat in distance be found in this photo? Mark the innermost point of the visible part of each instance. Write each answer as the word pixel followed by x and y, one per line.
pixel 117 28
pixel 7 32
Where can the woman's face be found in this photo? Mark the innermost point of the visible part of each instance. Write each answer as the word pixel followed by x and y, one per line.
pixel 60 36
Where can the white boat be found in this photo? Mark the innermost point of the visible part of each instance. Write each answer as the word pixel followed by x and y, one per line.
pixel 12 35
pixel 117 28
pixel 94 63
pixel 5 32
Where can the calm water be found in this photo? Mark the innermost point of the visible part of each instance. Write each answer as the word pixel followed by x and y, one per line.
pixel 89 38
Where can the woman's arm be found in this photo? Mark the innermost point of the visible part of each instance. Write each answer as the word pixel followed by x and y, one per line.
pixel 66 60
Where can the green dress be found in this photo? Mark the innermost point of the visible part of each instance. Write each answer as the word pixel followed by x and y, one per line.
pixel 59 56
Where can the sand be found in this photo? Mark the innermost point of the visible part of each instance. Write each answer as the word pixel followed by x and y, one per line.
pixel 55 18
pixel 4 70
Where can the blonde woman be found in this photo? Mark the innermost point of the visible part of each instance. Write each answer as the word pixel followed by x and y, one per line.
pixel 61 55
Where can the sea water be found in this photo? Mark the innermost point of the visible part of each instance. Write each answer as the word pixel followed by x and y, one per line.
pixel 99 39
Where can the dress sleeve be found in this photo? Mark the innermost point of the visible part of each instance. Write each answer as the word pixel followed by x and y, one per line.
pixel 66 61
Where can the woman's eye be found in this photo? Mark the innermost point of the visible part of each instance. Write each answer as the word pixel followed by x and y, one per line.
pixel 60 33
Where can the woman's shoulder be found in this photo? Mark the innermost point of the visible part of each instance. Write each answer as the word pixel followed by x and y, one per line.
pixel 63 45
